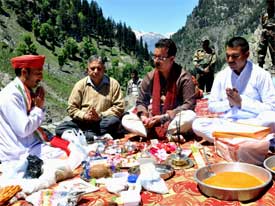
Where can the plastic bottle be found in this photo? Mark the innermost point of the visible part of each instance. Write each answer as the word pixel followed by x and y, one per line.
pixel 132 178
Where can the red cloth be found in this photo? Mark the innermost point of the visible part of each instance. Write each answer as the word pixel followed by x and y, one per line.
pixel 170 98
pixel 61 143
pixel 28 61
pixel 169 103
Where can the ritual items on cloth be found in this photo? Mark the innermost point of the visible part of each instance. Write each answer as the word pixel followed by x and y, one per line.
pixel 99 171
pixel 7 192
pixel 54 170
pixel 162 150
pixel 66 193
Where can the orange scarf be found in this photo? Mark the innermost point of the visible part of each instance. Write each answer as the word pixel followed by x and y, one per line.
pixel 29 100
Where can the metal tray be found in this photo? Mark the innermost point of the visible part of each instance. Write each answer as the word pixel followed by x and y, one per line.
pixel 165 171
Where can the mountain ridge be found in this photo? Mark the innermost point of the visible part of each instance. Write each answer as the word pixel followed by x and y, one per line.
pixel 150 38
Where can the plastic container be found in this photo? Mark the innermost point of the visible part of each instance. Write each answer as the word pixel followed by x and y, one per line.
pixel 132 181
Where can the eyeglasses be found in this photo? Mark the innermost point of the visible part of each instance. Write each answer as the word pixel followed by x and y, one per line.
pixel 233 56
pixel 159 58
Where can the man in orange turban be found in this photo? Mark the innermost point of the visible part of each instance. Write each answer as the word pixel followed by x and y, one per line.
pixel 22 112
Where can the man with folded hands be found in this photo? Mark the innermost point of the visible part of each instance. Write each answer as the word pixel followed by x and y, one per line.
pixel 22 112
pixel 95 105
pixel 243 92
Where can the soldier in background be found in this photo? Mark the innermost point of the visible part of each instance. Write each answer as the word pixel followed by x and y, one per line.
pixel 204 61
pixel 268 35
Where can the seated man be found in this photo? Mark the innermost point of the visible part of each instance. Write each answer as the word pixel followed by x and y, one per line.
pixel 95 104
pixel 165 92
pixel 243 92
pixel 22 112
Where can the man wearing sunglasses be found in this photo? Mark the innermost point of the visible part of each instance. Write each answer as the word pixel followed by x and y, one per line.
pixel 164 93
pixel 243 92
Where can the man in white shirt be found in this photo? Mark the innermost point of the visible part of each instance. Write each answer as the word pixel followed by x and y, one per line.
pixel 243 92
pixel 22 113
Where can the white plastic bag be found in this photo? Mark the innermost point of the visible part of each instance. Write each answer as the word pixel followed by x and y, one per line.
pixel 150 179
pixel 74 136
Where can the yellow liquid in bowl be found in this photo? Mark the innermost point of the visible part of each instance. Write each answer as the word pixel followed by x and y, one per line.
pixel 233 180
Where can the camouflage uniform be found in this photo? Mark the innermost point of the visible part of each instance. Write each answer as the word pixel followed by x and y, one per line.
pixel 204 59
pixel 267 40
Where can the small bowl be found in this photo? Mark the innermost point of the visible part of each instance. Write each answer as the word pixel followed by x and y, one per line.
pixel 269 163
pixel 179 160
pixel 240 194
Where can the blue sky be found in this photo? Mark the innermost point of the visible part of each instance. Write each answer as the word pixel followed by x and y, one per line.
pixel 160 16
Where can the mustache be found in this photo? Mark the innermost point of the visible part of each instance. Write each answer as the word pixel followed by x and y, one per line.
pixel 157 64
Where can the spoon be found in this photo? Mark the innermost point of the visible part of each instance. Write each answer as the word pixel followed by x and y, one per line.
pixel 209 172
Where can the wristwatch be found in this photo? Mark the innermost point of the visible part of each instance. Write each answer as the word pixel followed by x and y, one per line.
pixel 164 118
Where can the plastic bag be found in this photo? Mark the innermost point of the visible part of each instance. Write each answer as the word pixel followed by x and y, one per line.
pixel 74 136
pixel 150 179
pixel 34 168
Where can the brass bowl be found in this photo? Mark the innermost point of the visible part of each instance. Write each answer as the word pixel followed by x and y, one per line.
pixel 269 163
pixel 178 160
pixel 240 194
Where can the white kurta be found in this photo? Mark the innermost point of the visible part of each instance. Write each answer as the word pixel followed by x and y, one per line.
pixel 258 100
pixel 17 127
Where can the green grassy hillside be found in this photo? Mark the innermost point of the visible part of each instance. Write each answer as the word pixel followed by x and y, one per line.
pixel 58 82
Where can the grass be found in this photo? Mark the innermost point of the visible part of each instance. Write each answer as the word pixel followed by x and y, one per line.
pixel 58 83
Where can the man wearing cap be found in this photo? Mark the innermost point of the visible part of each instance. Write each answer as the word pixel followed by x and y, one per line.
pixel 21 112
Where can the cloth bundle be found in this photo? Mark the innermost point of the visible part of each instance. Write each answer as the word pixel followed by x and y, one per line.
pixel 244 149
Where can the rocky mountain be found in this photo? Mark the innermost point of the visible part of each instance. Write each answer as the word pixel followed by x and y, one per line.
pixel 218 20
pixel 150 38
